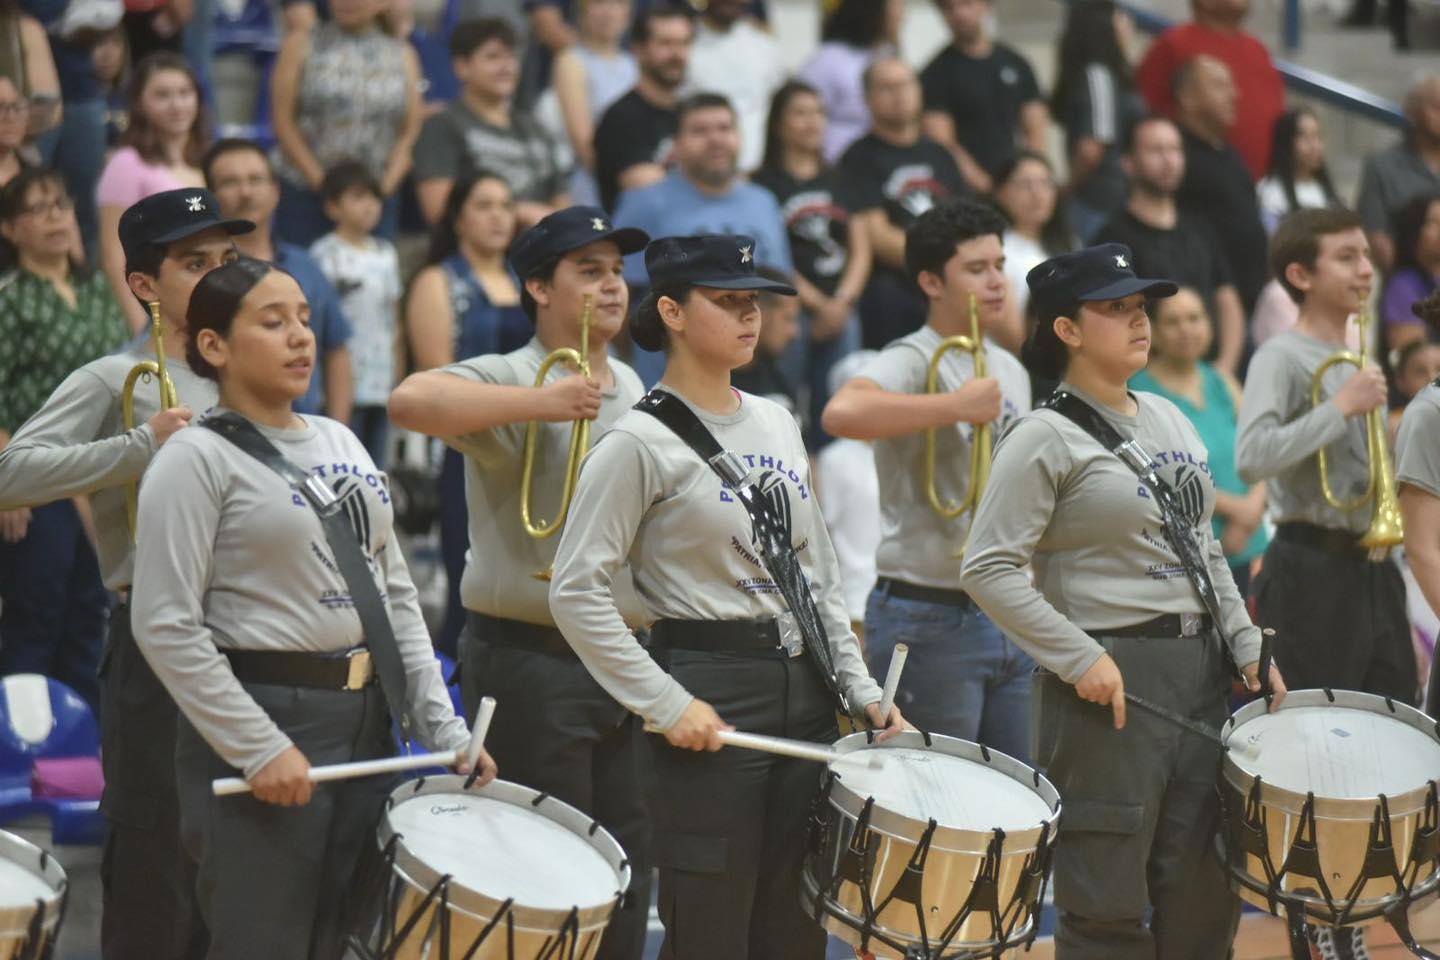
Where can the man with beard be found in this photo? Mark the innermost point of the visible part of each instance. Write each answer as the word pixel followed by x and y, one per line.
pixel 1167 242
pixel 898 174
pixel 238 172
pixel 703 195
pixel 637 133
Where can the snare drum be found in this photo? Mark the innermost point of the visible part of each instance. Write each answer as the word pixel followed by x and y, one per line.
pixel 494 872
pixel 32 899
pixel 928 847
pixel 1330 805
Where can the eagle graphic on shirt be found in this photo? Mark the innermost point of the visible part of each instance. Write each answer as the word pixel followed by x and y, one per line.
pixel 350 493
pixel 1189 490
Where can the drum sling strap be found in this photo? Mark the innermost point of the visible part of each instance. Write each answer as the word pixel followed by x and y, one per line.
pixel 349 557
pixel 772 535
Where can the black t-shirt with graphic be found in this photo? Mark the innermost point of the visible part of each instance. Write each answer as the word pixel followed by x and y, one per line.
pixel 817 218
pixel 983 96
pixel 633 131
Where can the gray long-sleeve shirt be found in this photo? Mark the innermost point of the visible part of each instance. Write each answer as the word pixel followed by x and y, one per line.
pixel 1095 536
pixel 645 496
pixel 1417 448
pixel 76 445
pixel 232 558
pixel 917 545
pixel 1280 432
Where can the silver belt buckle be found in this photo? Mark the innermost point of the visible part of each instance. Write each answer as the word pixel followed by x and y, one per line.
pixel 1191 623
pixel 361 670
pixel 791 640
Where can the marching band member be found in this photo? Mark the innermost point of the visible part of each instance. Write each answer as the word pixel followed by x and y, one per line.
pixel 730 825
pixel 244 608
pixel 559 731
pixel 965 679
pixel 1112 609
pixel 77 445
pixel 1417 471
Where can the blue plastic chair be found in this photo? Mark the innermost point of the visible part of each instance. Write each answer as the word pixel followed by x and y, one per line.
pixel 43 718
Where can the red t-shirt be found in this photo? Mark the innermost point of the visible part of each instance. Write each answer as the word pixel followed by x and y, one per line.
pixel 1262 90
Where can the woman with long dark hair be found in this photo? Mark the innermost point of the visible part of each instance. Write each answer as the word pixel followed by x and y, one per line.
pixel 1417 271
pixel 463 303
pixel 1298 177
pixel 1096 102
pixel 854 34
pixel 829 244
pixel 162 149
pixel 1027 195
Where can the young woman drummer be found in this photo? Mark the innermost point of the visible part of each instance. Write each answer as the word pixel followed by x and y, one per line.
pixel 1109 610
pixel 731 824
pixel 240 607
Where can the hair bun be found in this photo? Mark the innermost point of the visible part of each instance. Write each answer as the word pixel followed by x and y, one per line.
pixel 647 330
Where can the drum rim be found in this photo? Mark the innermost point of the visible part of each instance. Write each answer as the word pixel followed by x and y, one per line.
pixel 1329 808
pixel 947 838
pixel 421 876
pixel 41 864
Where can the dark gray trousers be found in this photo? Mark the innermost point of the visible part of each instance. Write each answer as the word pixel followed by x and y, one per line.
pixel 1140 810
pixel 278 883
pixel 558 731
pixel 148 881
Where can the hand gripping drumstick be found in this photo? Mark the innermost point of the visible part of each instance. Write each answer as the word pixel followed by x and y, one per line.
pixel 780 746
pixel 892 680
pixel 230 786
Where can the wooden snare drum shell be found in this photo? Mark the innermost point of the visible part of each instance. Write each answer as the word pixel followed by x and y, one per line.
pixel 470 911
pixel 39 884
pixel 954 861
pixel 1342 823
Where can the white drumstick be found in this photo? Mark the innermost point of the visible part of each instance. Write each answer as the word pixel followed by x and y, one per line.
pixel 228 786
pixel 799 749
pixel 477 736
pixel 892 680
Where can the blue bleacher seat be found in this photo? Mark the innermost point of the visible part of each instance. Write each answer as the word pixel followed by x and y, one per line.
pixel 43 719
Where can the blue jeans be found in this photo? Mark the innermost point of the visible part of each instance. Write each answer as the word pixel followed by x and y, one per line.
pixel 962 679
pixel 76 148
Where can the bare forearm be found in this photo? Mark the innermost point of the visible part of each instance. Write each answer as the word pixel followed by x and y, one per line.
pixel 441 404
pixel 875 414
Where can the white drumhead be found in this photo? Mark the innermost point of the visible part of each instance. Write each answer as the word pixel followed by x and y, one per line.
pixel 954 792
pixel 19 887
pixel 505 851
pixel 1338 753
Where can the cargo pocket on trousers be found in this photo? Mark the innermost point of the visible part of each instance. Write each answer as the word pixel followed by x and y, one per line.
pixel 1100 860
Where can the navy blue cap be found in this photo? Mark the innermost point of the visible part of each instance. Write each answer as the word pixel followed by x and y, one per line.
pixel 570 229
pixel 1104 272
pixel 163 218
pixel 721 262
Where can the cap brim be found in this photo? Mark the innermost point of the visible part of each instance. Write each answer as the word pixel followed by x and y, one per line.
pixel 1129 287
pixel 747 283
pixel 234 227
pixel 628 239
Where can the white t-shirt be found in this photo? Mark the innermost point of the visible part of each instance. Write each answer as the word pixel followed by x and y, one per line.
pixel 742 64
pixel 850 504
pixel 1274 205
pixel 1021 256
pixel 367 280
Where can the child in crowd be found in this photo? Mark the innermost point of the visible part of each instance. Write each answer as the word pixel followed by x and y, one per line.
pixel 365 271
pixel 1417 364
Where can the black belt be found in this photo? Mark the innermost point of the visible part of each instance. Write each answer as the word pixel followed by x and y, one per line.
pixel 1167 625
pixel 1319 538
pixel 352 670
pixel 913 591
pixel 759 638
pixel 521 635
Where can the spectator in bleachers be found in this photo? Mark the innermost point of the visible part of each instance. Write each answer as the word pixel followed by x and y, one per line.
pixel 55 316
pixel 736 56
pixel 161 149
pixel 1210 398
pixel 1298 176
pixel 25 59
pixel 704 194
pixel 981 99
pixel 855 33
pixel 1166 241
pixel 828 244
pixel 1217 187
pixel 897 173
pixel 1096 102
pixel 1217 31
pixel 1417 271
pixel 589 76
pixel 1394 175
pixel 463 303
pixel 342 90
pixel 1416 366
pixel 850 502
pixel 636 136
pixel 365 271
pixel 152 26
pixel 112 69
pixel 482 130
pixel 1027 194
pixel 239 173
pixel 13 110
pixel 438 85
pixel 765 374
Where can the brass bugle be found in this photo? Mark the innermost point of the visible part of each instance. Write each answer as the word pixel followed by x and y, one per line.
pixel 981 446
pixel 145 371
pixel 579 440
